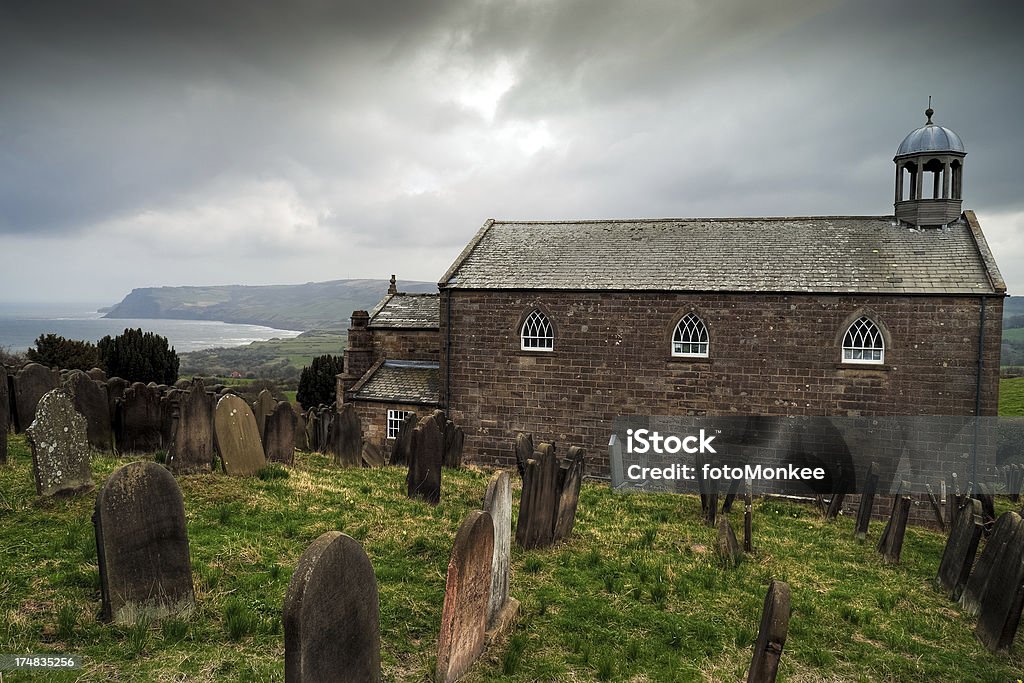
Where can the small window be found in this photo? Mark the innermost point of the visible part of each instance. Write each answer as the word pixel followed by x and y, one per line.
pixel 395 420
pixel 690 338
pixel 537 334
pixel 863 342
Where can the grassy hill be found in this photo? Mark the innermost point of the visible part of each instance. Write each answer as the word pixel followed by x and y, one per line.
pixel 635 595
pixel 277 359
pixel 314 305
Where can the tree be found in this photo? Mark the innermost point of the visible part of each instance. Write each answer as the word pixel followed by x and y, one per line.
pixel 139 356
pixel 317 383
pixel 58 352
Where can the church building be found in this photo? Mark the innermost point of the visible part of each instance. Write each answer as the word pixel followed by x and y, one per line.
pixel 556 328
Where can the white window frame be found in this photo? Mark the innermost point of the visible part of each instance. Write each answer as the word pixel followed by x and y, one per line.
pixel 863 343
pixel 536 333
pixel 395 420
pixel 683 342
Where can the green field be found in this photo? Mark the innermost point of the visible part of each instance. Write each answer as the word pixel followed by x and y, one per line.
pixel 1011 396
pixel 279 359
pixel 635 595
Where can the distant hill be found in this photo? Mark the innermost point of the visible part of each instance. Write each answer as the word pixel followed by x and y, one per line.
pixel 314 305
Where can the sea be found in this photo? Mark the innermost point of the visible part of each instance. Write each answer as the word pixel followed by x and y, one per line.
pixel 21 324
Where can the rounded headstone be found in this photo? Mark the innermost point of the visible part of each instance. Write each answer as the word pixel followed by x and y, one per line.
pixel 238 440
pixel 60 446
pixel 90 399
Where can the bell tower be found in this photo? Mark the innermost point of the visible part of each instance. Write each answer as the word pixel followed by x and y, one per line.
pixel 929 175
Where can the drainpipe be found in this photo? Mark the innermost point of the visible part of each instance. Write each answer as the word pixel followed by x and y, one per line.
pixel 977 392
pixel 448 354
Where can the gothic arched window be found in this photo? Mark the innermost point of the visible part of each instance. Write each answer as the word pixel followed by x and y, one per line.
pixel 537 333
pixel 863 342
pixel 690 337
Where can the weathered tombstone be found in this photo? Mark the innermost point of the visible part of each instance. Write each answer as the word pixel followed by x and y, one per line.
pixel 501 609
pixel 183 384
pixel 728 547
pixel 142 545
pixel 237 439
pixel 137 427
pixel 90 399
pixel 192 448
pixel 1003 598
pixel 312 430
pixel 771 636
pixel 523 450
pixel 324 422
pixel 60 446
pixel 891 543
pixel 570 478
pixel 301 443
pixel 988 506
pixel 958 555
pixel 331 615
pixel 279 434
pixel 115 393
pixel 372 456
pixel 97 374
pixel 467 591
pixel 5 414
pixel 348 437
pixel 835 505
pixel 547 500
pixel 424 477
pixel 168 417
pixel 262 408
pixel 867 500
pixel 454 439
pixel 1008 532
pixel 30 383
pixel 402 446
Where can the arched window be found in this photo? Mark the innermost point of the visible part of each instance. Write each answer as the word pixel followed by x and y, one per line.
pixel 690 337
pixel 863 342
pixel 537 334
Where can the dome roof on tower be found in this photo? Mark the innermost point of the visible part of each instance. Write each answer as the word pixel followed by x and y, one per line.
pixel 930 138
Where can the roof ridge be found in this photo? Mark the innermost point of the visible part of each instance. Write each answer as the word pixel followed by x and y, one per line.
pixel 688 220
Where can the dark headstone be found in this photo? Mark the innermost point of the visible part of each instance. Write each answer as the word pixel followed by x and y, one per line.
pixel 988 506
pixel 1000 609
pixel 262 408
pixel 1008 532
pixel 348 437
pixel 835 505
pixel 5 414
pixel 403 442
pixel 90 399
pixel 372 456
pixel 332 615
pixel 958 556
pixel 569 481
pixel 137 426
pixel 168 417
pixel 142 545
pixel 454 439
pixel 279 434
pixel 60 446
pixel 466 594
pixel 312 430
pixel 115 392
pixel 301 442
pixel 30 383
pixel 771 636
pixel 867 500
pixel 97 374
pixel 192 448
pixel 238 442
pixel 891 543
pixel 324 422
pixel 748 519
pixel 730 496
pixel 424 477
pixel 728 547
pixel 498 504
pixel 549 495
pixel 523 450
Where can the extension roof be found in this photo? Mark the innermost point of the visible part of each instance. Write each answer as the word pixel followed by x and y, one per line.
pixel 830 254
pixel 400 381
pixel 407 311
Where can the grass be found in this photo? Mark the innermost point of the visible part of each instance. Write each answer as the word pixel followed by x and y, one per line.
pixel 636 595
pixel 1011 396
pixel 265 358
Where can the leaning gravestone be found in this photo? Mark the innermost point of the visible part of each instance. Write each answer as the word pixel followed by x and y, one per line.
pixel 570 477
pixel 466 595
pixel 142 545
pixel 262 408
pixel 547 507
pixel 1003 598
pixel 60 446
pixel 372 456
pixel 90 399
pixel 771 636
pixel 958 555
pixel 237 439
pixel 523 451
pixel 5 414
pixel 1008 532
pixel 169 416
pixel 454 440
pixel 348 437
pixel 332 615
pixel 138 423
pixel 30 383
pixel 501 609
pixel 728 546
pixel 279 434
pixel 424 477
pixel 192 448
pixel 891 542
pixel 867 500
pixel 403 442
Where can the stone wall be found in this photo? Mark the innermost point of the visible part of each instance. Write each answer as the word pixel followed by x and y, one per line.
pixel 399 344
pixel 373 415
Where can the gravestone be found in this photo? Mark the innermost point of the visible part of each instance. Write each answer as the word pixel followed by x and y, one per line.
pixel 988 506
pixel 60 446
pixel 467 591
pixel 168 417
pixel 324 422
pixel 522 448
pixel 331 615
pixel 1000 605
pixel 771 635
pixel 501 609
pixel 454 440
pixel 403 442
pixel 30 383
pixel 262 408
pixel 835 505
pixel 97 374
pixel 90 400
pixel 237 439
pixel 183 384
pixel 301 442
pixel 312 431
pixel 279 431
pixel 115 392
pixel 137 427
pixel 570 478
pixel 958 555
pixel 424 477
pixel 5 413
pixel 142 545
pixel 1008 532
pixel 728 547
pixel 867 500
pixel 372 457
pixel 748 518
pixel 192 448
pixel 548 495
pixel 891 543
pixel 348 437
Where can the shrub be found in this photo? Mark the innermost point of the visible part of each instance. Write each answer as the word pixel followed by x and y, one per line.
pixel 139 356
pixel 317 382
pixel 55 351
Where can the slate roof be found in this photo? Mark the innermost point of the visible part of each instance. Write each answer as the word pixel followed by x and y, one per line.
pixel 834 254
pixel 400 381
pixel 407 311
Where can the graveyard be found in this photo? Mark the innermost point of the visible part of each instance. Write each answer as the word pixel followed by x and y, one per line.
pixel 635 592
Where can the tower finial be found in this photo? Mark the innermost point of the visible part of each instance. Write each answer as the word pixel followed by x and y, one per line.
pixel 929 111
pixel 393 288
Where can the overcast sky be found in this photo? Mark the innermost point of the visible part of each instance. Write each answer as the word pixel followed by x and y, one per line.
pixel 240 142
